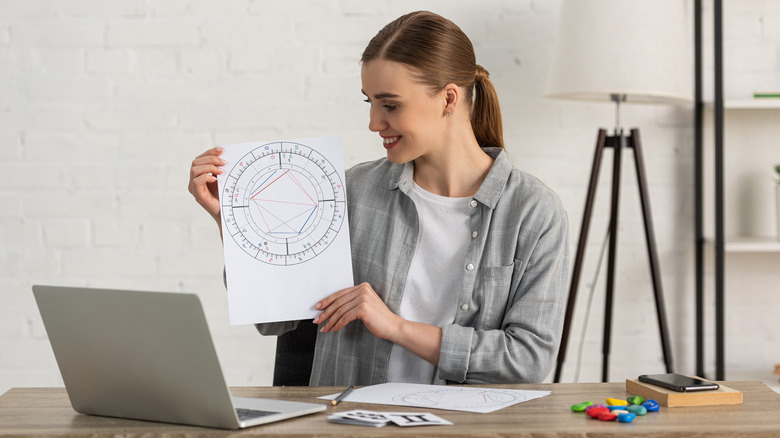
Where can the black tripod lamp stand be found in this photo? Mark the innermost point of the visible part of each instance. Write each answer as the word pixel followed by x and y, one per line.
pixel 619 142
pixel 620 51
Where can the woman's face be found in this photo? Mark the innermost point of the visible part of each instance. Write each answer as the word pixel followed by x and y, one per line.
pixel 404 112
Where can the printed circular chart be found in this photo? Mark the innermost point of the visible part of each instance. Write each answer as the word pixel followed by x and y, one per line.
pixel 283 203
pixel 459 398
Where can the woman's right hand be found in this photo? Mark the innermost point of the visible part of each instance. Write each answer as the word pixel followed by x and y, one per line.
pixel 203 181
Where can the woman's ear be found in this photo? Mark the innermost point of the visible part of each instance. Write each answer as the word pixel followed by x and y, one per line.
pixel 451 94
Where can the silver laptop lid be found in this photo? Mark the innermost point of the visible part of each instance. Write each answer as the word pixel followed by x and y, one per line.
pixel 142 355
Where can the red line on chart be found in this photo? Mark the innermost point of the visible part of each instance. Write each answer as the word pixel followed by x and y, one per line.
pixel 269 184
pixel 283 202
pixel 260 210
pixel 301 187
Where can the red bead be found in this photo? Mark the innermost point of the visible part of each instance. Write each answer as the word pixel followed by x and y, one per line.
pixel 595 412
pixel 607 416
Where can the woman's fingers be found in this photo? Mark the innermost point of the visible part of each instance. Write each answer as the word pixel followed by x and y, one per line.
pixel 358 302
pixel 332 304
pixel 203 180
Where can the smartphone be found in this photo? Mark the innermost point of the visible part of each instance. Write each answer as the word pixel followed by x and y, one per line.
pixel 678 382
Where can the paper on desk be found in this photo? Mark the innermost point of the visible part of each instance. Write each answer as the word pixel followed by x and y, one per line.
pixel 284 227
pixel 454 398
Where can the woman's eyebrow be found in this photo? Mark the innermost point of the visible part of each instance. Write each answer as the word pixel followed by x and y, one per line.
pixel 381 95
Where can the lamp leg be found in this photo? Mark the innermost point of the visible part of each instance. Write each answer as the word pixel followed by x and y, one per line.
pixel 575 278
pixel 651 247
pixel 618 145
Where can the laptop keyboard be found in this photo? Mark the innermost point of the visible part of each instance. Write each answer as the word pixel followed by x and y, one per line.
pixel 249 414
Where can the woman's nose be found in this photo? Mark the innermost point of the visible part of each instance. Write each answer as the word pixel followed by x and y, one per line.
pixel 376 122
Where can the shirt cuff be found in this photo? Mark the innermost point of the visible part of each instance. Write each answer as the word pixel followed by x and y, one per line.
pixel 455 352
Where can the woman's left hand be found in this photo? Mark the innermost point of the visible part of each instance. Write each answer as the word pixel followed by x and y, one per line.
pixel 358 302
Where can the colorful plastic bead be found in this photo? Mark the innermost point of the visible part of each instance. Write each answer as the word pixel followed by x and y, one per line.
pixel 594 412
pixel 616 402
pixel 637 409
pixel 651 405
pixel 626 417
pixel 635 400
pixel 580 407
pixel 607 416
pixel 616 407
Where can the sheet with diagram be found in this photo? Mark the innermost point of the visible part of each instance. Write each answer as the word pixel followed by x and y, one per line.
pixel 285 229
pixel 454 398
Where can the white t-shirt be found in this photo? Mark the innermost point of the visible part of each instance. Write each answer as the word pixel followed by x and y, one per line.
pixel 435 276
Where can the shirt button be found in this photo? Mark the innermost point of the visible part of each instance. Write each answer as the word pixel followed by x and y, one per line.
pixel 473 203
pixel 465 307
pixel 469 267
pixel 474 234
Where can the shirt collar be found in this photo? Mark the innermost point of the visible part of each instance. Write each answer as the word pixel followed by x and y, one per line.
pixel 489 191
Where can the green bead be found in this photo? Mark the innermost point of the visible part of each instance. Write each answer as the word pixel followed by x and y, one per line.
pixel 580 407
pixel 637 409
pixel 635 400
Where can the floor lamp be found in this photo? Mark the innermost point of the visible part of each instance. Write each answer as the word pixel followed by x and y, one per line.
pixel 620 51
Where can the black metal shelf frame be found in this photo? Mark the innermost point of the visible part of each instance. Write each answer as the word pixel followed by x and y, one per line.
pixel 718 123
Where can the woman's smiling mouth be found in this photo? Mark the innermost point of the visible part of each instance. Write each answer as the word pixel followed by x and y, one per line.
pixel 389 142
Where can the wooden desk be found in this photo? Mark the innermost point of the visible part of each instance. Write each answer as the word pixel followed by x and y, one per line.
pixel 47 412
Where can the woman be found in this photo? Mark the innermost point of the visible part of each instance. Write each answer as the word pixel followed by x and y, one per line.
pixel 460 261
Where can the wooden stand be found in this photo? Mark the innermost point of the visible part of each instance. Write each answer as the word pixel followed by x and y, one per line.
pixel 666 397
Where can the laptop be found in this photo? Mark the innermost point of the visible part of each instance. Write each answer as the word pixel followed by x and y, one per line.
pixel 146 356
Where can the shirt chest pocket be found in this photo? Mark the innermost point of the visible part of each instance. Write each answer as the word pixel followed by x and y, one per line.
pixel 492 295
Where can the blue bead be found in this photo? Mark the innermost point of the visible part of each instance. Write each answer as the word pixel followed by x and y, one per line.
pixel 626 418
pixel 651 405
pixel 616 408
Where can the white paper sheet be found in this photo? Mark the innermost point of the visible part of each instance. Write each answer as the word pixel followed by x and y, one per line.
pixel 285 229
pixel 454 398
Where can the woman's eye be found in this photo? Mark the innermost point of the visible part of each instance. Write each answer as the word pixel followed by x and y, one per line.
pixel 390 107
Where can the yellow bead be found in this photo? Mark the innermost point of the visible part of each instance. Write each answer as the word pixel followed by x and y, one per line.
pixel 616 402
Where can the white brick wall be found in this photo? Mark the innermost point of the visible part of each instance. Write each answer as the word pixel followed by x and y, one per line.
pixel 103 105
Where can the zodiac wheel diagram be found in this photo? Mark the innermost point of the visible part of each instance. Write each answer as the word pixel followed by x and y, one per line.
pixel 283 203
pixel 457 398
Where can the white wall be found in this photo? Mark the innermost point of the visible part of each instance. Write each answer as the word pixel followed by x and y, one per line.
pixel 103 105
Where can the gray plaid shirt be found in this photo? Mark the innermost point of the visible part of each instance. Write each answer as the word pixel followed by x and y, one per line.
pixel 509 311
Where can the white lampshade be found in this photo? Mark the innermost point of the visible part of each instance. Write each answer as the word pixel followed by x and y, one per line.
pixel 637 48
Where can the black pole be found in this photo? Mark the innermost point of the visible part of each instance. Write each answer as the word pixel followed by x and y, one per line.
pixel 575 277
pixel 698 152
pixel 719 226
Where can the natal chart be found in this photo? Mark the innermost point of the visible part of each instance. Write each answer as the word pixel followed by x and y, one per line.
pixel 283 203
pixel 460 398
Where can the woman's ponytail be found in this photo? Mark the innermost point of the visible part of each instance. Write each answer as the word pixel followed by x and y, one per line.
pixel 486 114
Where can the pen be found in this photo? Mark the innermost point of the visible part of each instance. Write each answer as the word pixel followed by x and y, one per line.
pixel 341 396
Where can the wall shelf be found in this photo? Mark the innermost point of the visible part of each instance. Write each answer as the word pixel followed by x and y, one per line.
pixel 760 103
pixel 738 104
pixel 752 245
pixel 747 245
